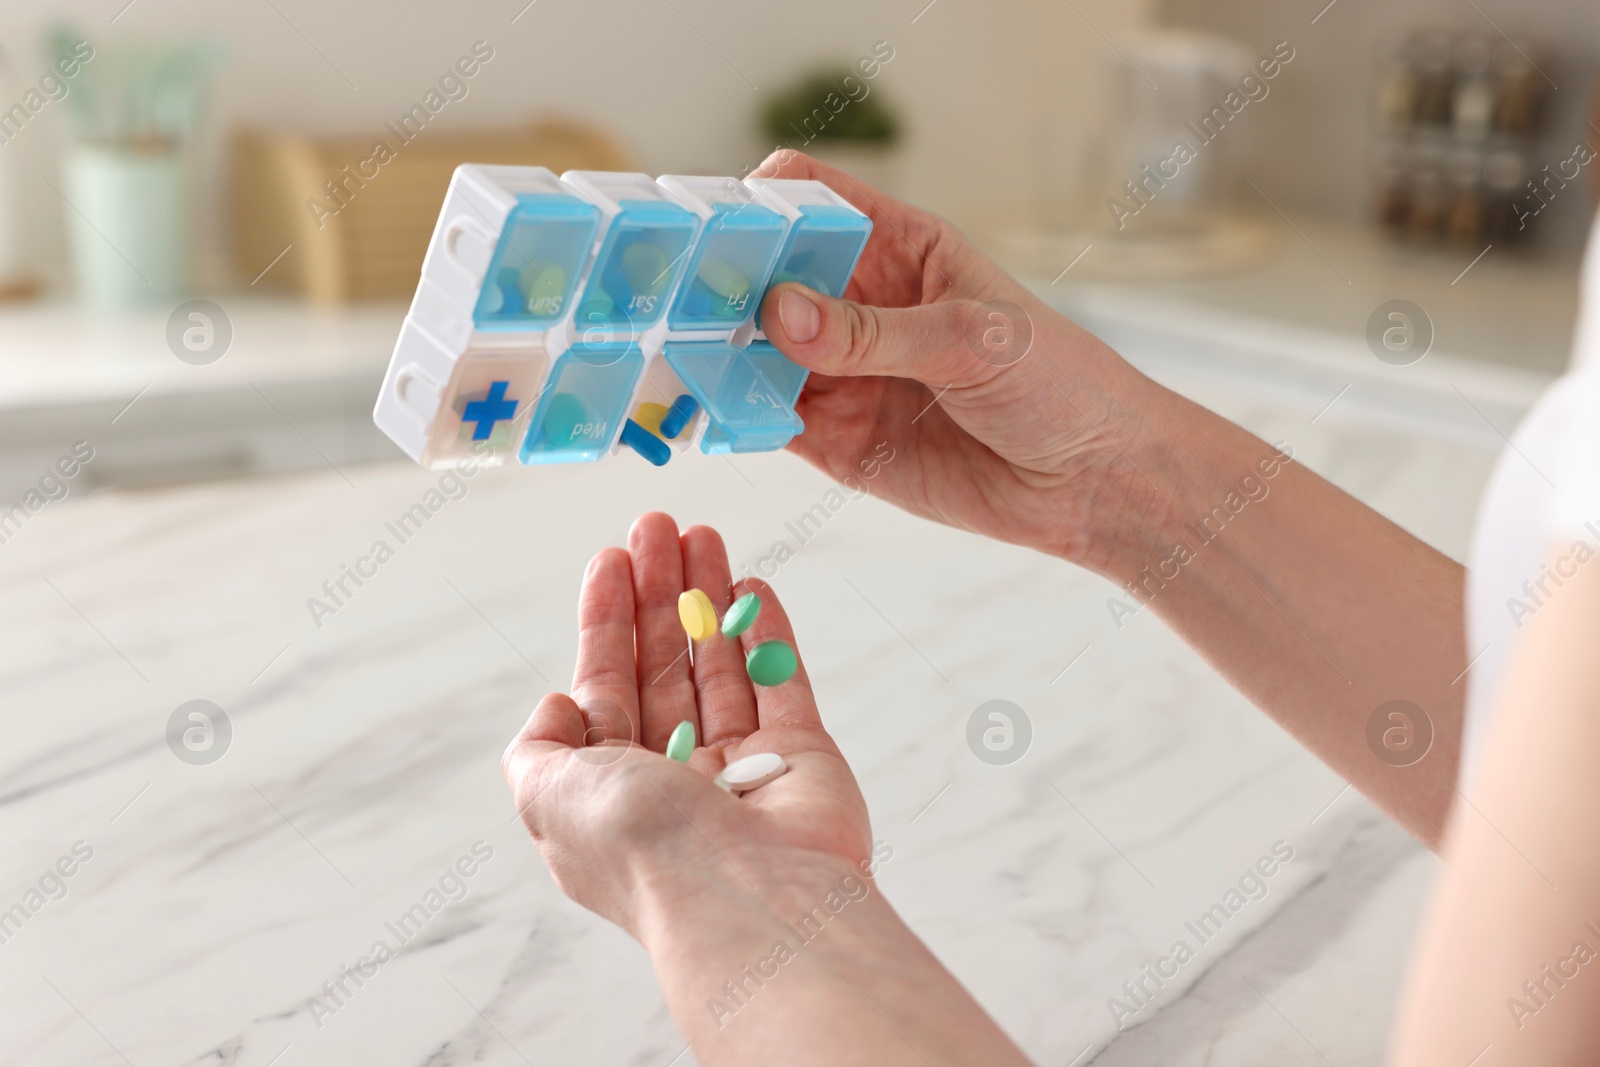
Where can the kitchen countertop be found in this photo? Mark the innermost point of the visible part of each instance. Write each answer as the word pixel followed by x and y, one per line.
pixel 364 760
pixel 294 389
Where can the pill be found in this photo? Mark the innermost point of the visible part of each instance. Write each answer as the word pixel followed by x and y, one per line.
pixel 543 281
pixel 741 615
pixel 597 309
pixel 510 299
pixel 565 419
pixel 723 279
pixel 751 772
pixel 697 302
pixel 681 743
pixel 771 663
pixel 699 618
pixel 645 266
pixel 645 443
pixel 677 417
pixel 650 415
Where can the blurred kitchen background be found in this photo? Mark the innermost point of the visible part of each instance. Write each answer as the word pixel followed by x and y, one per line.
pixel 1388 156
pixel 180 287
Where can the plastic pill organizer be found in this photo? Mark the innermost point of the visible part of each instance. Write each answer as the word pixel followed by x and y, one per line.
pixel 559 319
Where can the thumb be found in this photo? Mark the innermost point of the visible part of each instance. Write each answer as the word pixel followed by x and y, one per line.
pixel 842 338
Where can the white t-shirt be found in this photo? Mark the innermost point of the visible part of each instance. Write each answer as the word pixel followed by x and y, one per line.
pixel 1540 515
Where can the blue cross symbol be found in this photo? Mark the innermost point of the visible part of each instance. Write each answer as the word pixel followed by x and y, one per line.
pixel 490 410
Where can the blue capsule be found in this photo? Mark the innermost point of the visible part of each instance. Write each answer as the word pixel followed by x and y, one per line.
pixel 677 417
pixel 647 444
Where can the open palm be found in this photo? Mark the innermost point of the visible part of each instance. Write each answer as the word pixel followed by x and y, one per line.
pixel 588 771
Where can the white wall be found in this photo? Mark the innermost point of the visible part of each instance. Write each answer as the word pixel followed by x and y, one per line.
pixel 984 86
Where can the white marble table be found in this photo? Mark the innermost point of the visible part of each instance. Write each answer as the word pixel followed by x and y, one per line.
pixel 364 762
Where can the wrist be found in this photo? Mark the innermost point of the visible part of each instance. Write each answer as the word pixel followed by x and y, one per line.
pixel 1181 472
pixel 748 894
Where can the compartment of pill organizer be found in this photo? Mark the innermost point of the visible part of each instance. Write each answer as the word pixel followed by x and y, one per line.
pixel 729 267
pixel 826 237
pixel 468 236
pixel 747 412
pixel 785 376
pixel 660 389
pixel 642 252
pixel 537 263
pixel 583 404
pixel 486 408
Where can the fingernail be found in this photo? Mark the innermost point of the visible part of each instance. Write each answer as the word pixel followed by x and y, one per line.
pixel 800 317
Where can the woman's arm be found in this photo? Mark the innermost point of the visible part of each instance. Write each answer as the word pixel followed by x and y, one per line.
pixel 812 967
pixel 1509 958
pixel 1311 604
pixel 770 939
pixel 1005 418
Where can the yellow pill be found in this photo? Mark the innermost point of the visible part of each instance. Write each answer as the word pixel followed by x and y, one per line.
pixel 650 415
pixel 699 618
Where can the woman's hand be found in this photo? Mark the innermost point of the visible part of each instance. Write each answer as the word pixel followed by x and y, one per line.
pixel 759 911
pixel 1005 418
pixel 614 818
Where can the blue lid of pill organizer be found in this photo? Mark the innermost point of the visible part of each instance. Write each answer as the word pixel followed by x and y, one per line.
pixel 729 267
pixel 629 290
pixel 748 410
pixel 535 267
pixel 786 376
pixel 583 404
pixel 833 217
pixel 822 250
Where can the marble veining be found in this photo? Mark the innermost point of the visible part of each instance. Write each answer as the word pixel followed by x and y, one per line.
pixel 221 900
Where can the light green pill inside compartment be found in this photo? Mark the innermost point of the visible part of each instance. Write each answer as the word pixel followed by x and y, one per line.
pixel 681 743
pixel 741 615
pixel 645 266
pixel 722 279
pixel 565 419
pixel 543 281
pixel 771 663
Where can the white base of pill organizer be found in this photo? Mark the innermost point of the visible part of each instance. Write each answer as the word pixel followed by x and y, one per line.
pixel 442 352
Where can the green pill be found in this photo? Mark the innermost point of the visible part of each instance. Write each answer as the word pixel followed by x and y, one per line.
pixel 645 266
pixel 681 743
pixel 596 309
pixel 771 663
pixel 544 282
pixel 723 279
pixel 565 420
pixel 741 615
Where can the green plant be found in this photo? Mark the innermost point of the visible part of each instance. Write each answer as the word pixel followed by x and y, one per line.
pixel 832 104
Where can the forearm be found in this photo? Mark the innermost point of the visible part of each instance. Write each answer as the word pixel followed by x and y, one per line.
pixel 1314 606
pixel 811 967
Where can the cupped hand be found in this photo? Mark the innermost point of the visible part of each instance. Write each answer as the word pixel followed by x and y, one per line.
pixel 615 819
pixel 998 414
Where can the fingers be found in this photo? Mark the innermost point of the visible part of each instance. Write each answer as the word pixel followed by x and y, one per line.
pixel 791 703
pixel 928 344
pixel 605 684
pixel 556 725
pixel 787 163
pixel 727 700
pixel 666 690
pixel 909 225
pixel 557 721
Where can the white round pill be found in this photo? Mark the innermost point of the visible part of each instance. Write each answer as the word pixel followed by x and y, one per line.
pixel 751 772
